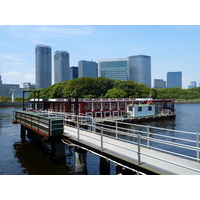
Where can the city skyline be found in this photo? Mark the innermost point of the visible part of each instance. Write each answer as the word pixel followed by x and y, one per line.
pixel 171 48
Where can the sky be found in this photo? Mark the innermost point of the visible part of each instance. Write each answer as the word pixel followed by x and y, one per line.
pixel 172 44
pixel 172 48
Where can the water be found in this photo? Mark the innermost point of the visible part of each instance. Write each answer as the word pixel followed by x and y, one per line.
pixel 18 157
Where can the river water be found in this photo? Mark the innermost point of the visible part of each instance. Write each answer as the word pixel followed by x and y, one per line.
pixel 23 157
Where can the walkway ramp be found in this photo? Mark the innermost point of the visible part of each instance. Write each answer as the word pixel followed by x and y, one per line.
pixel 151 161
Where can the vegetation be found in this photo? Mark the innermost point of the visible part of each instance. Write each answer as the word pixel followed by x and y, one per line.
pixel 88 87
pixel 4 99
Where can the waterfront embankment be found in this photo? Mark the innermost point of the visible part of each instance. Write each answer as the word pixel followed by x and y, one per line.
pixel 186 101
pixel 12 104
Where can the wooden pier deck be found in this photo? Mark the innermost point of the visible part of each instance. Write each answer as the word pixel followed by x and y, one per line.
pixel 152 161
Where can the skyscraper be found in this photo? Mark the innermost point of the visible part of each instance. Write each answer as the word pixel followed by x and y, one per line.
pixel 193 84
pixel 87 69
pixel 61 66
pixel 43 70
pixel 73 71
pixel 174 79
pixel 159 83
pixel 114 69
pixel 140 69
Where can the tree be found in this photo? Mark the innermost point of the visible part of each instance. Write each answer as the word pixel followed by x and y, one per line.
pixel 116 93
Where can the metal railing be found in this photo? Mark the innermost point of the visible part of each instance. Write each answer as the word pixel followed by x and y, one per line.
pixel 179 143
pixel 49 127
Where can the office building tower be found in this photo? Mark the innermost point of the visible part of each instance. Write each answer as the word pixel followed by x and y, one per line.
pixel 61 66
pixel 28 86
pixel 174 79
pixel 87 69
pixel 140 69
pixel 73 71
pixel 114 69
pixel 43 70
pixel 193 84
pixel 159 83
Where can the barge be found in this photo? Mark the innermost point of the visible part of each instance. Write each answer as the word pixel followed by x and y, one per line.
pixel 126 109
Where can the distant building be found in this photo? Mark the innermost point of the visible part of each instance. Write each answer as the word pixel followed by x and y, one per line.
pixel 159 83
pixel 7 89
pixel 140 69
pixel 61 66
pixel 28 86
pixel 73 72
pixel 193 84
pixel 43 65
pixel 114 69
pixel 174 79
pixel 87 69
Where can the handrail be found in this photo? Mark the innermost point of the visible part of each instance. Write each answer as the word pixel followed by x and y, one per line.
pixel 145 136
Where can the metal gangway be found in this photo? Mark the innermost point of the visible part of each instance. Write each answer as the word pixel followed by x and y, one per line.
pixel 150 150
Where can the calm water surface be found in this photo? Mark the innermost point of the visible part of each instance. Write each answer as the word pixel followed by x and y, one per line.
pixel 19 157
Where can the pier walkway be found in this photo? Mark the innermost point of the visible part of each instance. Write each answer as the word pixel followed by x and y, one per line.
pixel 134 156
pixel 144 149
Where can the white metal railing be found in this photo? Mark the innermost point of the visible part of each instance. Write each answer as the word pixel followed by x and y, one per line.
pixel 169 141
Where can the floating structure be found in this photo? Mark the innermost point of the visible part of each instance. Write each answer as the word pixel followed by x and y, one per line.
pixel 108 108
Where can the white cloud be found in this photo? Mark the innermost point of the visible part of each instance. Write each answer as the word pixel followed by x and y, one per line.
pixel 12 73
pixel 11 57
pixel 37 32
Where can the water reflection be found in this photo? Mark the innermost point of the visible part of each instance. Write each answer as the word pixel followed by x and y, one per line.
pixel 36 159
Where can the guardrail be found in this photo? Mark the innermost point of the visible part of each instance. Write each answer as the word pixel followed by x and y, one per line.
pixel 179 143
pixel 40 123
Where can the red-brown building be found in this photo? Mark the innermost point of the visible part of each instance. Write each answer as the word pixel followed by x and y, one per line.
pixel 96 107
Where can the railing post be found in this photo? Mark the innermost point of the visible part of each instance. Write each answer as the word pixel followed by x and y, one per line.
pixel 116 128
pixel 139 160
pixel 198 153
pixel 148 143
pixel 78 128
pixel 101 137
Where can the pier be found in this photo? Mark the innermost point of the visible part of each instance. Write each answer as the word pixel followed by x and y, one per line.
pixel 143 149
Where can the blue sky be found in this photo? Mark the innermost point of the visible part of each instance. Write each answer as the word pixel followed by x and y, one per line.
pixel 172 48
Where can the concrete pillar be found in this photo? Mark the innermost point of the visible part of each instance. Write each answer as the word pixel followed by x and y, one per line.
pixel 81 163
pixel 58 151
pixel 104 166
pixel 23 132
pixel 124 171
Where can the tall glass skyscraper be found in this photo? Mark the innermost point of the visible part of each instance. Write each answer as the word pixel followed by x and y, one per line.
pixel 43 70
pixel 61 66
pixel 114 69
pixel 140 69
pixel 87 69
pixel 73 71
pixel 174 79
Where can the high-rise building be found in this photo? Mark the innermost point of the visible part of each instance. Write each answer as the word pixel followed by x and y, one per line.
pixel 193 84
pixel 43 70
pixel 61 66
pixel 114 69
pixel 28 85
pixel 159 83
pixel 87 69
pixel 140 69
pixel 174 79
pixel 73 71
